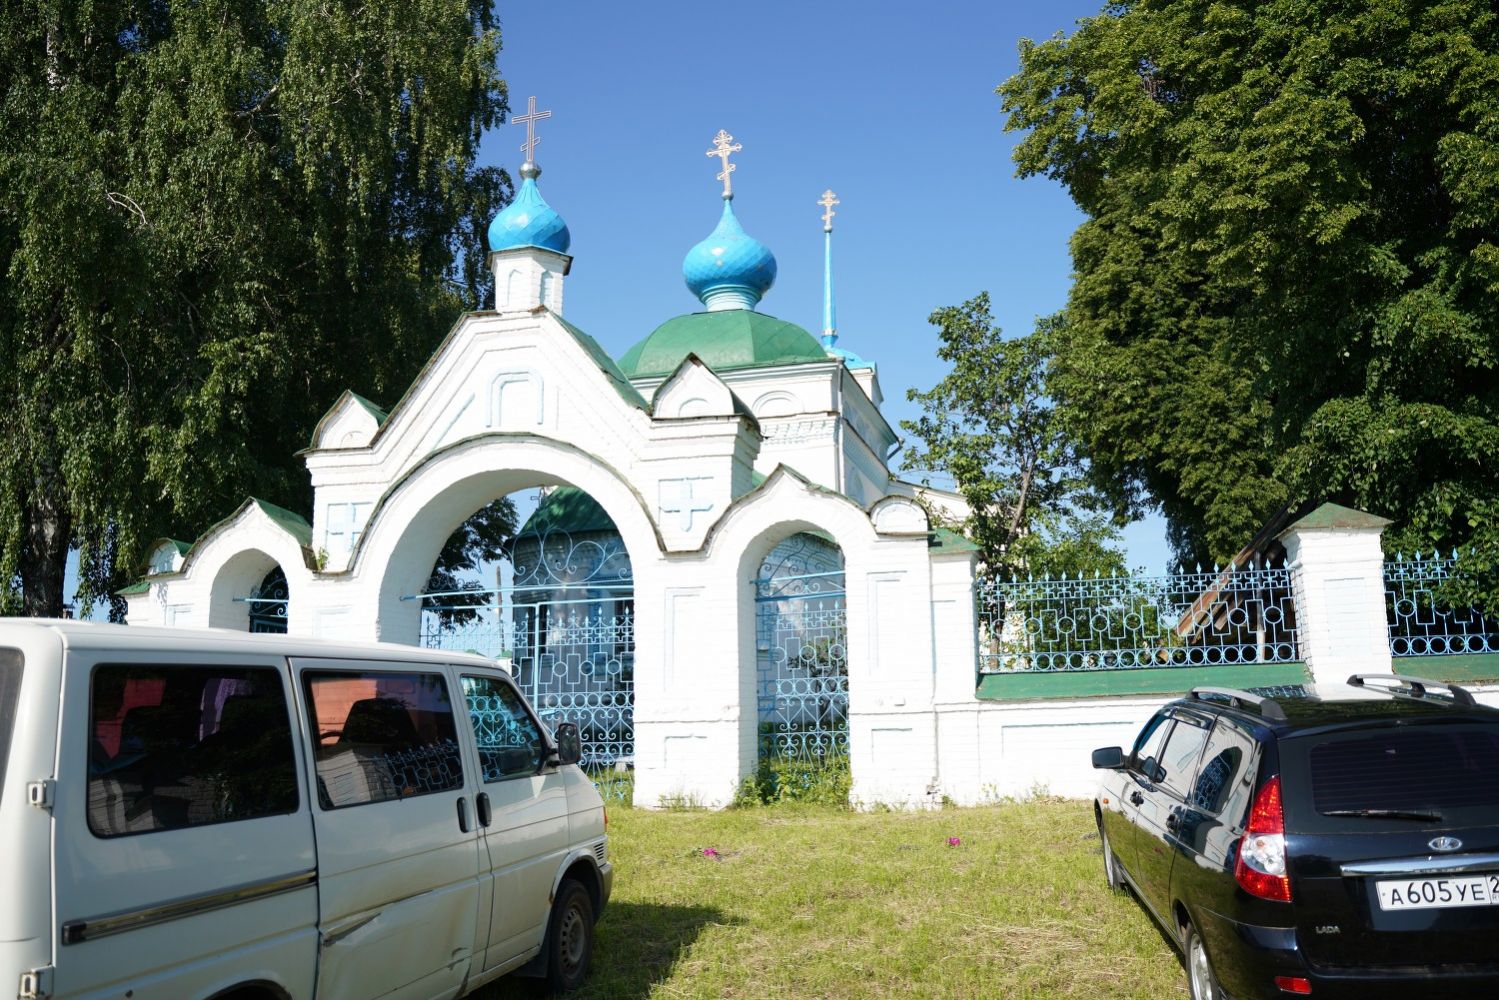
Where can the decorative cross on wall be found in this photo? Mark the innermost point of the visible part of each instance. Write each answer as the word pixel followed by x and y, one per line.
pixel 530 118
pixel 723 147
pixel 677 498
pixel 827 201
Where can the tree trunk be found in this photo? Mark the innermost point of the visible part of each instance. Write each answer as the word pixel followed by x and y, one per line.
pixel 44 559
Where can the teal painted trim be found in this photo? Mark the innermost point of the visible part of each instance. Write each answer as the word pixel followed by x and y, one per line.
pixel 1116 683
pixel 1455 668
pixel 829 317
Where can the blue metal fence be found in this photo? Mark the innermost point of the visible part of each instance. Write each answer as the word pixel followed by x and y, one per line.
pixel 801 642
pixel 1422 621
pixel 1202 618
pixel 573 659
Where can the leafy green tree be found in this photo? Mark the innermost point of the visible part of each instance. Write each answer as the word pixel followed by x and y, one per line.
pixel 486 537
pixel 1286 283
pixel 991 427
pixel 213 218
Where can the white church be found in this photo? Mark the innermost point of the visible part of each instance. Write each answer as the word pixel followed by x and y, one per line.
pixel 722 564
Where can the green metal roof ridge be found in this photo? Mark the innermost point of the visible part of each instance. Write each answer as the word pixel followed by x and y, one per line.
pixel 606 364
pixel 949 540
pixel 569 509
pixel 1331 516
pixel 138 587
pixel 291 522
pixel 718 339
pixel 380 415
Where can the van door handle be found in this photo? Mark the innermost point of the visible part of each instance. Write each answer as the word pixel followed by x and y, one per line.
pixel 1137 798
pixel 482 804
pixel 463 814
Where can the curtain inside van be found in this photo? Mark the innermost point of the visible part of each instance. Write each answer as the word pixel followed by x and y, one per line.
pixel 10 690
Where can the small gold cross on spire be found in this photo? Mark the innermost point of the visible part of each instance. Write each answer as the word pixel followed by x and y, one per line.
pixel 827 201
pixel 530 118
pixel 723 146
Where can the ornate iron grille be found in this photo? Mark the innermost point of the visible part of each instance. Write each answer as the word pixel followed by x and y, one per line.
pixel 801 642
pixel 268 603
pixel 1232 615
pixel 1421 622
pixel 573 659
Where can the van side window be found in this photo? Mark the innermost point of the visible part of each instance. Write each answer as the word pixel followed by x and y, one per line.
pixel 510 741
pixel 381 736
pixel 179 746
pixel 10 690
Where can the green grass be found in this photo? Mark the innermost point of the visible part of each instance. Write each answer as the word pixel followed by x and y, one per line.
pixel 813 901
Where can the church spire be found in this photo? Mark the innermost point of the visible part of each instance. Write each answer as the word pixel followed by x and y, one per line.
pixel 829 315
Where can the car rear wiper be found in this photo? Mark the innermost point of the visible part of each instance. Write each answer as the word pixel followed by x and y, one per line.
pixel 1385 813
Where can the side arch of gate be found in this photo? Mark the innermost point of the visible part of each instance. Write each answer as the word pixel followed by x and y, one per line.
pixel 783 506
pixel 234 558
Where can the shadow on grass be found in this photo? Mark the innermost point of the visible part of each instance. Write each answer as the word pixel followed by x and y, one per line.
pixel 634 950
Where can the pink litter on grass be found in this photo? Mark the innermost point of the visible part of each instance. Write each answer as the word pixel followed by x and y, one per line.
pixel 709 852
pixel 954 841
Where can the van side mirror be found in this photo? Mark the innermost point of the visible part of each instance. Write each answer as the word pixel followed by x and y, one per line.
pixel 1111 758
pixel 569 743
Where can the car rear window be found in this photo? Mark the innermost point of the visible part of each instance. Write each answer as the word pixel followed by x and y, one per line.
pixel 10 690
pixel 1427 768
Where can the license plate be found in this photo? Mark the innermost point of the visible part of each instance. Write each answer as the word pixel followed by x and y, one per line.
pixel 1438 893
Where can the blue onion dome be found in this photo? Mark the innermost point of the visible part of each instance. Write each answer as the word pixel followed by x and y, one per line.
pixel 730 269
pixel 528 221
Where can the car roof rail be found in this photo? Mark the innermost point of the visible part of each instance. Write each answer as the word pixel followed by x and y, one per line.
pixel 1268 708
pixel 1414 687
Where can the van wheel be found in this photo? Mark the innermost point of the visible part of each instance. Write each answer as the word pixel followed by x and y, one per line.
pixel 1201 983
pixel 569 937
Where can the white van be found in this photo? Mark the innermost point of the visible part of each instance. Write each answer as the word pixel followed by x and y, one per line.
pixel 208 814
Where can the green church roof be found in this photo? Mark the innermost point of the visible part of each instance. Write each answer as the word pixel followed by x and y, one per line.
pixel 568 509
pixel 724 340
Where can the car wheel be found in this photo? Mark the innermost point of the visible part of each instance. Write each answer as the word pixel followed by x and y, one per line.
pixel 1201 983
pixel 1110 863
pixel 569 938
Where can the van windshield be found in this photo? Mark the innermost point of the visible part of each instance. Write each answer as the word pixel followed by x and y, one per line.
pixel 10 691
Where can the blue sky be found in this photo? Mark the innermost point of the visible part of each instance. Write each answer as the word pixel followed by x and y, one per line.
pixel 890 105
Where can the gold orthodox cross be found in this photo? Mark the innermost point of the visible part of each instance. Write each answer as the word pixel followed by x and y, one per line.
pixel 723 146
pixel 827 201
pixel 531 117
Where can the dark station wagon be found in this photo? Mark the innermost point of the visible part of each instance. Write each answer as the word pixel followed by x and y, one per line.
pixel 1323 841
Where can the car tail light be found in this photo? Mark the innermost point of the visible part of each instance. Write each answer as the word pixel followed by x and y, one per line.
pixel 1261 866
pixel 1294 984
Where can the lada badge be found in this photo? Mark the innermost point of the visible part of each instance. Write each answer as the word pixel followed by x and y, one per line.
pixel 1444 843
